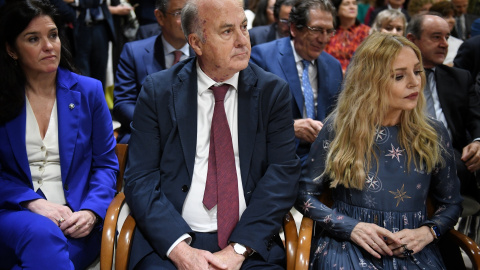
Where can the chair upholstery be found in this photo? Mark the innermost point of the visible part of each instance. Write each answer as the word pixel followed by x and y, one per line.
pixel 126 234
pixel 471 249
pixel 111 218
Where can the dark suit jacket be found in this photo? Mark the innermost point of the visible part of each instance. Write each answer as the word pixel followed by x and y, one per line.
pixel 382 8
pixel 148 30
pixel 162 155
pixel 469 19
pixel 262 34
pixel 138 60
pixel 468 56
pixel 82 9
pixel 460 104
pixel 87 149
pixel 277 57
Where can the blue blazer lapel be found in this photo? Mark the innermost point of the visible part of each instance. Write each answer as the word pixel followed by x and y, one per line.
pixel 185 91
pixel 247 119
pixel 16 135
pixel 68 111
pixel 155 55
pixel 322 92
pixel 290 71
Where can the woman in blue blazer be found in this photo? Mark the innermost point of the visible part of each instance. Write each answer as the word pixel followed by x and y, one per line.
pixel 57 159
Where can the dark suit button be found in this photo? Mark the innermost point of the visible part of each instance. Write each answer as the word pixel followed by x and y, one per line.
pixel 184 188
pixel 65 187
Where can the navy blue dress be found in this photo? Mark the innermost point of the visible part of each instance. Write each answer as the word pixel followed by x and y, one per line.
pixel 394 199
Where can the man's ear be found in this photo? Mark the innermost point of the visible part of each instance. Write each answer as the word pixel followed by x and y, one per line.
pixel 411 37
pixel 196 43
pixel 160 17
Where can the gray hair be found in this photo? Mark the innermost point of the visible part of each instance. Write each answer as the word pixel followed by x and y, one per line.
pixel 191 21
pixel 387 15
pixel 162 5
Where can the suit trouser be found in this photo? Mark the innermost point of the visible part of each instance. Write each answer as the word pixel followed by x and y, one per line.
pixel 208 241
pixel 32 241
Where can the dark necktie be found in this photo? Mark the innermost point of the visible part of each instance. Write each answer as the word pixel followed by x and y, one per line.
pixel 95 13
pixel 428 94
pixel 177 55
pixel 221 188
pixel 307 91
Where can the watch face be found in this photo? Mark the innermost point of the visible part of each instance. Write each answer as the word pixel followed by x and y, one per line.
pixel 240 249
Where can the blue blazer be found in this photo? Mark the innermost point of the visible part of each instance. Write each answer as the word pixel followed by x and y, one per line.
pixel 277 57
pixel 262 34
pixel 87 149
pixel 162 156
pixel 138 60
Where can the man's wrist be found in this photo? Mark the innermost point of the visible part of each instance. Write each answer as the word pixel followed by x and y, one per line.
pixel 242 249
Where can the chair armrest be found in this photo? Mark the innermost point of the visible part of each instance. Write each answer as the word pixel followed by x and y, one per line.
pixel 124 244
pixel 109 231
pixel 304 244
pixel 291 239
pixel 467 245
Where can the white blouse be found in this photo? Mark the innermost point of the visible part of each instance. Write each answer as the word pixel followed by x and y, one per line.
pixel 44 156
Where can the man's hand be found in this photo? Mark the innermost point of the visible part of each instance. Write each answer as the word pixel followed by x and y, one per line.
pixel 371 237
pixel 471 156
pixel 413 239
pixel 186 257
pixel 227 255
pixel 55 212
pixel 79 224
pixel 307 129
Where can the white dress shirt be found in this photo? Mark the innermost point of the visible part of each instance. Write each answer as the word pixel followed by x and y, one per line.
pixel 312 75
pixel 168 52
pixel 44 156
pixel 197 216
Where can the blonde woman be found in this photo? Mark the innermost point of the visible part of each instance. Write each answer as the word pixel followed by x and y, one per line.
pixel 381 156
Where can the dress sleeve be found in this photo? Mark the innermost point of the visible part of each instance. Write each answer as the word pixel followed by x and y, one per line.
pixel 313 184
pixel 445 187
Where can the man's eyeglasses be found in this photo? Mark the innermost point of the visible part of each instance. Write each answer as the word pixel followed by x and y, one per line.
pixel 283 21
pixel 318 30
pixel 175 14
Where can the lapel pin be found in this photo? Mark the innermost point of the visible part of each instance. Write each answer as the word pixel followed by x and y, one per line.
pixel 71 106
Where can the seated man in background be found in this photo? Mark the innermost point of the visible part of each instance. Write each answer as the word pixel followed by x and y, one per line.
pixel 147 56
pixel 278 29
pixel 313 75
pixel 212 168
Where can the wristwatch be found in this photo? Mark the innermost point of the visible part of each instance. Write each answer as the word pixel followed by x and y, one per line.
pixel 242 250
pixel 435 232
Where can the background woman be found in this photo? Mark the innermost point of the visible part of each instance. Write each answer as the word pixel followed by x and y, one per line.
pixel 350 32
pixel 264 13
pixel 390 21
pixel 57 159
pixel 381 156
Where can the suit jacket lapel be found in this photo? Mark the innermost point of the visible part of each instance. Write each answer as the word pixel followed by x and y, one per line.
pixel 443 86
pixel 16 135
pixel 290 71
pixel 155 52
pixel 185 92
pixel 68 111
pixel 247 119
pixel 322 96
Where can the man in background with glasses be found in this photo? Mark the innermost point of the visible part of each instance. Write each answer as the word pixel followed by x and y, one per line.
pixel 278 29
pixel 314 76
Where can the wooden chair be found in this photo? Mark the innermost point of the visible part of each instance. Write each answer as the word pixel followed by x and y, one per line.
pixel 305 238
pixel 111 218
pixel 125 239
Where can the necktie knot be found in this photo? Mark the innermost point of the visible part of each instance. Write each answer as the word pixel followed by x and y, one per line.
pixel 305 64
pixel 428 71
pixel 219 92
pixel 177 55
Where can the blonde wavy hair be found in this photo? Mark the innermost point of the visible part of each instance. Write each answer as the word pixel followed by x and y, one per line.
pixel 362 107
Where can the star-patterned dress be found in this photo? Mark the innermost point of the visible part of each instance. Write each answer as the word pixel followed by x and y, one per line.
pixel 394 199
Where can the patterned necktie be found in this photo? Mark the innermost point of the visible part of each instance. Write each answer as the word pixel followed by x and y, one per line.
pixel 221 188
pixel 459 27
pixel 428 94
pixel 307 91
pixel 177 55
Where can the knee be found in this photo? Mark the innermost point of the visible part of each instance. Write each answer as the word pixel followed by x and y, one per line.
pixel 43 232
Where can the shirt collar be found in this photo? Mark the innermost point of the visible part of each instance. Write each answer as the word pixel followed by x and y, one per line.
pixel 204 82
pixel 170 49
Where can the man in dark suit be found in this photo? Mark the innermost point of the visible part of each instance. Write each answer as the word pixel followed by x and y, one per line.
pixel 468 56
pixel 174 154
pixel 463 20
pixel 93 30
pixel 144 57
pixel 278 29
pixel 454 101
pixel 324 71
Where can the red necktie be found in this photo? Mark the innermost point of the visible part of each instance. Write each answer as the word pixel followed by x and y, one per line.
pixel 177 55
pixel 221 188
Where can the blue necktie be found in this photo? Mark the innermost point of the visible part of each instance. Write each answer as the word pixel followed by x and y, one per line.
pixel 307 91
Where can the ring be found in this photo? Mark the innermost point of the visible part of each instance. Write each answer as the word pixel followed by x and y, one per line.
pixel 77 227
pixel 61 220
pixel 406 252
